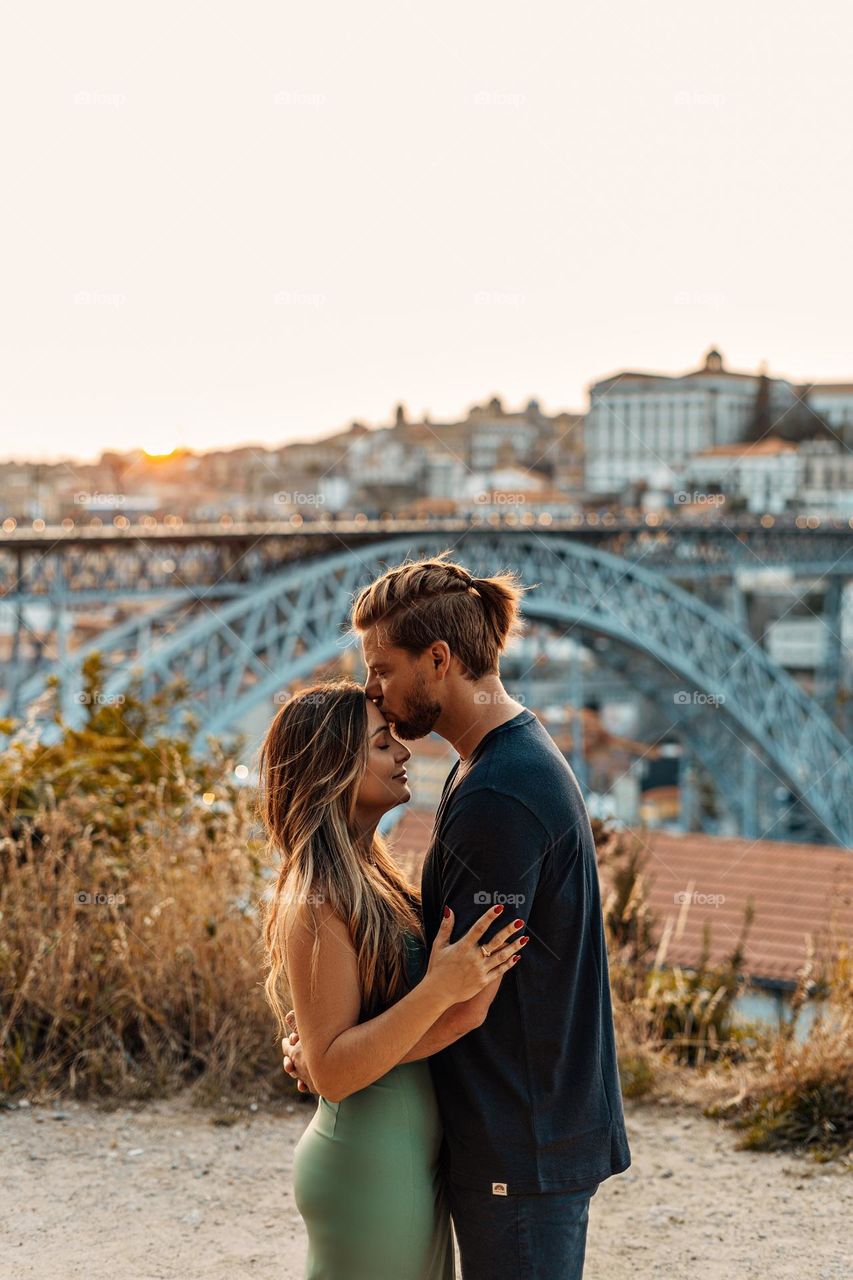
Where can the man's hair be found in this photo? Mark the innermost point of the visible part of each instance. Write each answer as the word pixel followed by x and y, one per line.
pixel 419 602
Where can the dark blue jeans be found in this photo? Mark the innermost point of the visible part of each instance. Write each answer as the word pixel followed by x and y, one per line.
pixel 528 1237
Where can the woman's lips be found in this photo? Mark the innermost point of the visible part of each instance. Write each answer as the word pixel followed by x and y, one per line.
pixel 404 777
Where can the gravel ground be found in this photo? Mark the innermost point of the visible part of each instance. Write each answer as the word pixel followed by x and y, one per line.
pixel 165 1192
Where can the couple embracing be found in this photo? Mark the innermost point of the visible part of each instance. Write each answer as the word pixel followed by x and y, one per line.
pixel 459 1037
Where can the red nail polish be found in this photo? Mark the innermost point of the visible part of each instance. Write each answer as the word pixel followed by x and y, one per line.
pixel 518 923
pixel 446 912
pixel 498 908
pixel 522 941
pixel 516 958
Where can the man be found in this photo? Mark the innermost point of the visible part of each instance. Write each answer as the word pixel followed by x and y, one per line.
pixel 530 1098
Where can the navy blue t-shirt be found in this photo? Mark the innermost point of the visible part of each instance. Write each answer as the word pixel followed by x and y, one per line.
pixel 530 1099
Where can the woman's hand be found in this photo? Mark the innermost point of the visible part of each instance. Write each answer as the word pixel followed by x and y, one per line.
pixel 462 969
pixel 294 1063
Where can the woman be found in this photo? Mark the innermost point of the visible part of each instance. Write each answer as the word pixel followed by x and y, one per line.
pixel 345 943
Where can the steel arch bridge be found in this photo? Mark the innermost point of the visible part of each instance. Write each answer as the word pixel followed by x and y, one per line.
pixel 250 648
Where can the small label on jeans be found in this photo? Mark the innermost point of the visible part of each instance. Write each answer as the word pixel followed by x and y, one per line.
pixel 498 1188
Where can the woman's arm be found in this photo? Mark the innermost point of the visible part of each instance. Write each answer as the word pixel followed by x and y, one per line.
pixel 343 1055
pixel 454 1023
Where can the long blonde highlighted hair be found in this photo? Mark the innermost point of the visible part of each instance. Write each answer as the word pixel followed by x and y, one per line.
pixel 311 763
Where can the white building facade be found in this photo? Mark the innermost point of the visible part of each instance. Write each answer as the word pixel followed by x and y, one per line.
pixel 766 476
pixel 643 426
pixel 833 401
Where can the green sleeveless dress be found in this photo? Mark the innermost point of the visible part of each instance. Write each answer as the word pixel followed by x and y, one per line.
pixel 366 1177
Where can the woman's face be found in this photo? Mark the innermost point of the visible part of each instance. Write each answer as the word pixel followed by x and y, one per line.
pixel 384 784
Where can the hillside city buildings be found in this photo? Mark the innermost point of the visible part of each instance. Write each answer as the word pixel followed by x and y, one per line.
pixel 755 442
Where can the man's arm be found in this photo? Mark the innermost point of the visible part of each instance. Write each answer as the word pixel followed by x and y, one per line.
pixel 494 850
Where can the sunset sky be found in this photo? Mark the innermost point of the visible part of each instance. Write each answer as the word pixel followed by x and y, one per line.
pixel 231 223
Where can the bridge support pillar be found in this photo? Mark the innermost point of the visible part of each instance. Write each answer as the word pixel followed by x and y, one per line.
pixel 576 695
pixel 828 674
pixel 749 794
pixel 738 611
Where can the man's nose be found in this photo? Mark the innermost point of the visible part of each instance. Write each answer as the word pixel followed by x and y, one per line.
pixel 373 689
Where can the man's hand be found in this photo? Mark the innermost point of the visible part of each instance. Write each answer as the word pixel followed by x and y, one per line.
pixel 294 1058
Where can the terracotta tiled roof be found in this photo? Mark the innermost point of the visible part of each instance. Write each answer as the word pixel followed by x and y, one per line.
pixel 758 448
pixel 797 890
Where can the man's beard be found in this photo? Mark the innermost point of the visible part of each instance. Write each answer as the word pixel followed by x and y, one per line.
pixel 419 715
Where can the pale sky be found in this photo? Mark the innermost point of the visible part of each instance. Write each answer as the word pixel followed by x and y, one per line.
pixel 234 223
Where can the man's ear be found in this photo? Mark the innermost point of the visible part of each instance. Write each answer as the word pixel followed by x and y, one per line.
pixel 442 656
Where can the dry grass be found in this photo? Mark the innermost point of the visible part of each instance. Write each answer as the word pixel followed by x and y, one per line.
pixel 151 980
pixel 799 1092
pixel 130 957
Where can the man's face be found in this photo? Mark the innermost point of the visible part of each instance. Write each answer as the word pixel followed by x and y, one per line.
pixel 397 683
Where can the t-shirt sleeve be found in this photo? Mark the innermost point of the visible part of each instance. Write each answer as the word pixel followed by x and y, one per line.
pixel 492 851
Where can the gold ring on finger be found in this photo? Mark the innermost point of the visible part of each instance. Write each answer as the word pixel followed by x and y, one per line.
pixel 484 951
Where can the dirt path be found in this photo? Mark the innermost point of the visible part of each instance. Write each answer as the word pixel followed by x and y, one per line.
pixel 164 1193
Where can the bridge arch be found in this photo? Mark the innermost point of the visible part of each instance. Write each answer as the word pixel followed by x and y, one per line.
pixel 243 652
